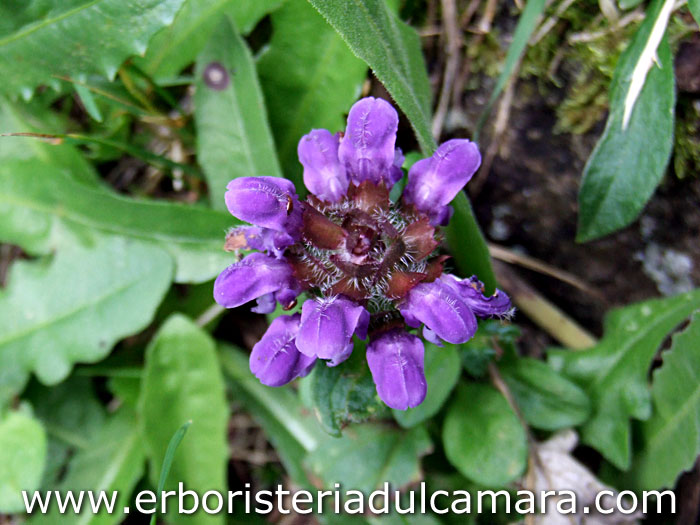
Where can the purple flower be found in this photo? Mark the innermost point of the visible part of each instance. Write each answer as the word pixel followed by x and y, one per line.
pixel 472 293
pixel 324 175
pixel 395 359
pixel 269 202
pixel 327 327
pixel 257 238
pixel 435 181
pixel 368 147
pixel 257 275
pixel 360 256
pixel 275 359
pixel 441 309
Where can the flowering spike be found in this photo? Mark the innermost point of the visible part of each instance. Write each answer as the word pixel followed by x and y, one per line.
pixel 368 148
pixel 275 359
pixel 435 181
pixel 324 175
pixel 396 359
pixel 357 253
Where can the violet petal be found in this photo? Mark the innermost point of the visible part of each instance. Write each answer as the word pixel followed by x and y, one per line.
pixel 396 360
pixel 254 276
pixel 270 202
pixel 275 360
pixel 327 327
pixel 441 309
pixel 324 175
pixel 435 181
pixel 368 148
pixel 472 293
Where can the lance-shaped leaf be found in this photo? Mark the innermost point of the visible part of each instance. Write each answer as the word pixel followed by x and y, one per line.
pixel 310 78
pixel 44 209
pixel 113 461
pixel 671 437
pixel 182 382
pixel 393 51
pixel 631 157
pixel 98 295
pixel 233 137
pixel 614 372
pixel 76 38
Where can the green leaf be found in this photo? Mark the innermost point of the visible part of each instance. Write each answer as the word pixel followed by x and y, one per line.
pixel 98 295
pixel 97 35
pixel 442 369
pixel 671 437
pixel 694 6
pixel 176 46
pixel 614 372
pixel 72 416
pixel 546 399
pixel 345 393
pixel 528 21
pixel 174 443
pixel 467 243
pixel 630 158
pixel 182 381
pixel 88 102
pixel 392 49
pixel 31 117
pixel 233 137
pixel 309 77
pixel 483 438
pixel 43 209
pixel 369 455
pixel 112 461
pixel 287 423
pixel 628 4
pixel 22 456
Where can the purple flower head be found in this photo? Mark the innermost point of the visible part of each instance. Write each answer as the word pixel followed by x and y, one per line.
pixel 395 359
pixel 275 359
pixel 435 181
pixel 369 264
pixel 269 202
pixel 327 327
